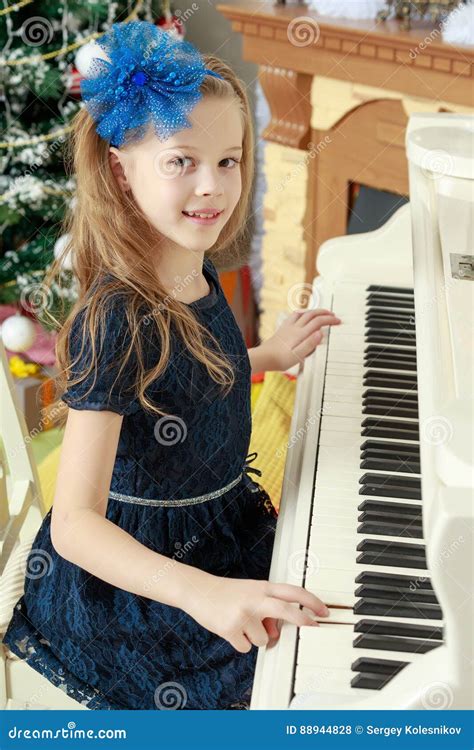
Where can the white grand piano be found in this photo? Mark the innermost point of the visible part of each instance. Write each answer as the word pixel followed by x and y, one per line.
pixel 377 509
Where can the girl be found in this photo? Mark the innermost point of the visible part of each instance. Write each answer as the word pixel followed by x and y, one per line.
pixel 153 591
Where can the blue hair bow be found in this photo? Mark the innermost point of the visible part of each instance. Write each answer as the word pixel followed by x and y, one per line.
pixel 151 76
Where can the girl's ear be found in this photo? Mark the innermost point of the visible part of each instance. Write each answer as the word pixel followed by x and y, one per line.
pixel 116 159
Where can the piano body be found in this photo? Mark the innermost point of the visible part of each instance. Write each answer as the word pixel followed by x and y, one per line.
pixel 376 516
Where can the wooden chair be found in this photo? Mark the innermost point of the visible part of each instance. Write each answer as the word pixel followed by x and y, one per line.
pixel 21 512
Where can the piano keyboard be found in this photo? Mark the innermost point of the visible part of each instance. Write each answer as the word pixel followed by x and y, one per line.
pixel 366 548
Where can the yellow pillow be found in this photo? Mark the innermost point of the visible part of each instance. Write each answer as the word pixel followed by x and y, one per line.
pixel 272 409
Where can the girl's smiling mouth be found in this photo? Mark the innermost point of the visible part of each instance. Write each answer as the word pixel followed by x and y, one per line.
pixel 202 217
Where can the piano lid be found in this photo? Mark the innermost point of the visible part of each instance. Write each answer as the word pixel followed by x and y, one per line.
pixel 440 150
pixel 442 144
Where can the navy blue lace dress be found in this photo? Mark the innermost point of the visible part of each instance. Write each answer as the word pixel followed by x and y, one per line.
pixel 181 487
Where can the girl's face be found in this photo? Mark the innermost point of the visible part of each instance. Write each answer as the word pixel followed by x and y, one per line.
pixel 196 170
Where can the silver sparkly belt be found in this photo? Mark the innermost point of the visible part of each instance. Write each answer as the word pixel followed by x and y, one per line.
pixel 192 500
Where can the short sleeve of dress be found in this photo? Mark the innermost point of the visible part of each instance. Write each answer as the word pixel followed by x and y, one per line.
pixel 103 388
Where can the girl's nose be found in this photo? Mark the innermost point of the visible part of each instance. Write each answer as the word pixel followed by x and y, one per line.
pixel 208 182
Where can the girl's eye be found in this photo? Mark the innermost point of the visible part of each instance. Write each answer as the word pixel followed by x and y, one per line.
pixel 229 158
pixel 179 161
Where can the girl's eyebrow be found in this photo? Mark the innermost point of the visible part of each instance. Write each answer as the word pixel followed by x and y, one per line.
pixel 193 148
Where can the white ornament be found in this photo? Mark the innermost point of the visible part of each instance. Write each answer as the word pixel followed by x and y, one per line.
pixel 85 56
pixel 18 333
pixel 458 28
pixel 348 8
pixel 59 246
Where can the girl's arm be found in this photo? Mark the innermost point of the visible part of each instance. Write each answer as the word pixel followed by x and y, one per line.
pixel 297 337
pixel 80 532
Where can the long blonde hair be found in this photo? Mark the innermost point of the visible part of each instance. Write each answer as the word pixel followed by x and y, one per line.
pixel 108 232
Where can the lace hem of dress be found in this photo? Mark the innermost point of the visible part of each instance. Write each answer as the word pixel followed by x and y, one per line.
pixel 89 697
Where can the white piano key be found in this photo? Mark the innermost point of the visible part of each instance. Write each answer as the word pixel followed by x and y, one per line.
pixel 329 681
pixel 347 369
pixel 332 648
pixel 354 410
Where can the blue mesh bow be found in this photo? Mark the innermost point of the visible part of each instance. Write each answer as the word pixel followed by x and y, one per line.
pixel 151 76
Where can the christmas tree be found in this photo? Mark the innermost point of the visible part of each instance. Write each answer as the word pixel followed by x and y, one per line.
pixel 43 55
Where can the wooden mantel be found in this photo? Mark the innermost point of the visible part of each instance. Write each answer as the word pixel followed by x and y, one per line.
pixel 339 92
pixel 347 49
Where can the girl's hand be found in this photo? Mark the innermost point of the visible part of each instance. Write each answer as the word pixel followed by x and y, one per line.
pixel 298 336
pixel 245 611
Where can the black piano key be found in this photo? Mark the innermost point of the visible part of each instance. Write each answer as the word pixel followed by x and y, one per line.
pixel 382 324
pixel 408 630
pixel 389 431
pixel 408 399
pixel 382 608
pixel 391 518
pixel 399 548
pixel 397 317
pixel 370 681
pixel 393 579
pixel 412 453
pixel 396 593
pixel 396 424
pixel 405 290
pixel 395 480
pixel 390 560
pixel 384 363
pixel 377 337
pixel 377 666
pixel 386 507
pixel 378 379
pixel 385 445
pixel 385 464
pixel 393 351
pixel 394 643
pixel 387 490
pixel 407 531
pixel 388 377
pixel 393 302
pixel 389 411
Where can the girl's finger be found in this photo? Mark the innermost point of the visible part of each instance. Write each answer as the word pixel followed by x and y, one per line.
pixel 288 592
pixel 288 612
pixel 271 626
pixel 256 633
pixel 321 320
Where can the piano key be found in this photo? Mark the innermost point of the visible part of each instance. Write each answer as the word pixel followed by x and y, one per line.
pixel 395 593
pixel 390 490
pixel 356 411
pixel 386 464
pixel 383 445
pixel 374 478
pixel 384 627
pixel 394 643
pixel 388 363
pixel 371 681
pixel 390 560
pixel 405 530
pixel 393 337
pixel 378 666
pixel 366 606
pixel 390 517
pixel 389 507
pixel 392 433
pixel 398 290
pixel 394 351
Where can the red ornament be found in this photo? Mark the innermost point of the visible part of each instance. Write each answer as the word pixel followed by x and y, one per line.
pixel 75 79
pixel 171 23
